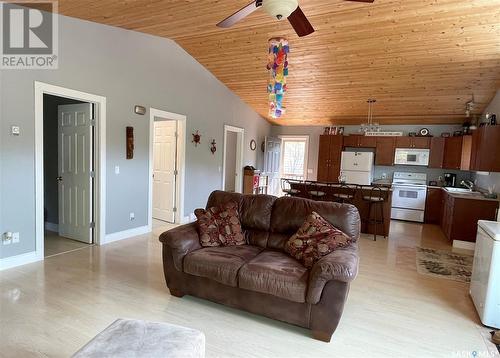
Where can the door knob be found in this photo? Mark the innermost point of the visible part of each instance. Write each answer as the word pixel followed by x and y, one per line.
pixel 59 179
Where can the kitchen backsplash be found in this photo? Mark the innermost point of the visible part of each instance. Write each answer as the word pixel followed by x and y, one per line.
pixel 432 174
pixel 488 181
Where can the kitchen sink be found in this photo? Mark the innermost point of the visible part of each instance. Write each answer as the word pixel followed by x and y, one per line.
pixel 462 191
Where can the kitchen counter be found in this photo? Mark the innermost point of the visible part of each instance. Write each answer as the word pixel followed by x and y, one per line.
pixel 303 189
pixel 479 196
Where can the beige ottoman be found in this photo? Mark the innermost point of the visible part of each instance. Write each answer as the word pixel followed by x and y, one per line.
pixel 134 338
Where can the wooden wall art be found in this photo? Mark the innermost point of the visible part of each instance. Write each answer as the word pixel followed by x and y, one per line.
pixel 130 142
pixel 196 138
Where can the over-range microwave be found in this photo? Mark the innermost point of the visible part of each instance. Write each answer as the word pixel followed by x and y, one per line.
pixel 408 156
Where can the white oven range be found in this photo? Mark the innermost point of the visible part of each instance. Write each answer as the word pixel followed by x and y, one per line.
pixel 409 191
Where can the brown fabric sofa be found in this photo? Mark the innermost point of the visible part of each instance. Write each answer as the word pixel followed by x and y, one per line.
pixel 260 277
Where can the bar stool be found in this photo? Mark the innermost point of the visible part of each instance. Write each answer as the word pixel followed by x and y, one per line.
pixel 316 191
pixel 286 187
pixel 376 201
pixel 345 194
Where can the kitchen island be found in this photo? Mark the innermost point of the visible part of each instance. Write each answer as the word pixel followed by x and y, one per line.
pixel 335 192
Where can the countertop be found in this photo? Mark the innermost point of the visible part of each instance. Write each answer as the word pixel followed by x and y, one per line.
pixel 464 196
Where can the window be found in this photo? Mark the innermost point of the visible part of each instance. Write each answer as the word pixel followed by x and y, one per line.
pixel 294 157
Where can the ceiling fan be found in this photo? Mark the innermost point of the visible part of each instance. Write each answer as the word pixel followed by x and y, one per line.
pixel 278 9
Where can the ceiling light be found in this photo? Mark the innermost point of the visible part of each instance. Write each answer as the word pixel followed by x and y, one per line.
pixel 280 9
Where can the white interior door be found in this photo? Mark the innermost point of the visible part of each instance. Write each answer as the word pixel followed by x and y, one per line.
pixel 164 166
pixel 75 165
pixel 272 156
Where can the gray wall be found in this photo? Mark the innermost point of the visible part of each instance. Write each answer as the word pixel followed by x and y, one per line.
pixel 50 155
pixel 127 68
pixel 314 132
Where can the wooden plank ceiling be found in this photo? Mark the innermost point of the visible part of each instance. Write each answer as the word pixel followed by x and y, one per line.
pixel 421 59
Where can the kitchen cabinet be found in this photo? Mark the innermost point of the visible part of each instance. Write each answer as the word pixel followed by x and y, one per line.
pixel 433 206
pixel 460 215
pixel 457 153
pixel 485 145
pixel 329 156
pixel 436 155
pixel 360 141
pixel 384 151
pixel 413 142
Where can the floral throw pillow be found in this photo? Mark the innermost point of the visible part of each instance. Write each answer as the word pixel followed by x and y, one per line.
pixel 220 225
pixel 315 239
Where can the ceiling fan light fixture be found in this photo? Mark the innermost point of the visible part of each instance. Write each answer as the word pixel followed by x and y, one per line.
pixel 280 9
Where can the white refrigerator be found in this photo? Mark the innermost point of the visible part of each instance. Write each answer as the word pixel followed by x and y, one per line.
pixel 485 280
pixel 357 168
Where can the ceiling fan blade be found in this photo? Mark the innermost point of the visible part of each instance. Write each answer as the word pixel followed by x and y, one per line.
pixel 370 1
pixel 300 24
pixel 240 14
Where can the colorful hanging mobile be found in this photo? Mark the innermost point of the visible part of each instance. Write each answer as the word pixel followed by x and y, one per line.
pixel 278 68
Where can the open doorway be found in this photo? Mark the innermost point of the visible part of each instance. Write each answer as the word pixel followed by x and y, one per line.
pixel 232 163
pixel 166 167
pixel 68 171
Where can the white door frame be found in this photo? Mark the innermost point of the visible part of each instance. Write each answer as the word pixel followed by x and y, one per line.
pixel 100 160
pixel 180 162
pixel 240 145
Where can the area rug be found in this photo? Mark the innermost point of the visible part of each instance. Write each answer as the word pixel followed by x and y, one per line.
pixel 444 264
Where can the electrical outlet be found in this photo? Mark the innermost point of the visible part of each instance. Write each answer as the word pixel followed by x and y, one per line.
pixel 132 216
pixel 15 237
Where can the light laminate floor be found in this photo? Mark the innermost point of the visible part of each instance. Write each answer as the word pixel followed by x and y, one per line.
pixel 55 244
pixel 54 307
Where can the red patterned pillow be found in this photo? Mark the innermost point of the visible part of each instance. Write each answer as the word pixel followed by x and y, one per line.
pixel 220 225
pixel 315 239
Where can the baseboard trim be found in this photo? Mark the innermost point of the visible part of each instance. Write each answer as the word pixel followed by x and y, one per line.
pixel 122 235
pixel 52 227
pixel 466 245
pixel 18 260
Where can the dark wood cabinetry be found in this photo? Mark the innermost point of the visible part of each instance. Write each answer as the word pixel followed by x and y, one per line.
pixel 433 206
pixel 436 156
pixel 413 142
pixel 330 149
pixel 360 141
pixel 457 153
pixel 384 151
pixel 460 216
pixel 485 149
pixel 457 215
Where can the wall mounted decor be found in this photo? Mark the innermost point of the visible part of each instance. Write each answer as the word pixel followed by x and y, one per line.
pixel 213 147
pixel 196 138
pixel 253 144
pixel 130 142
pixel 278 69
pixel 139 110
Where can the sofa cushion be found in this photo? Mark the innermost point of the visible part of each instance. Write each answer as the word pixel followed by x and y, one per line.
pixel 277 274
pixel 220 264
pixel 290 213
pixel 255 213
pixel 315 239
pixel 220 225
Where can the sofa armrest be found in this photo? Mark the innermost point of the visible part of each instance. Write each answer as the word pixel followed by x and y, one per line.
pixel 340 265
pixel 181 241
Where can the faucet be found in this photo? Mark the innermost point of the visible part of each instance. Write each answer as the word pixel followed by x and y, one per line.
pixel 468 184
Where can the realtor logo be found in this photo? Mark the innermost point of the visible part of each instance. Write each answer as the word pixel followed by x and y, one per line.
pixel 28 35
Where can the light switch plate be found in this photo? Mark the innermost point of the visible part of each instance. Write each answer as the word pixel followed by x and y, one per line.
pixel 117 169
pixel 15 130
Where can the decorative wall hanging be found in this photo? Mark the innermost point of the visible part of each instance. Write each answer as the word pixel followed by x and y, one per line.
pixel 130 142
pixel 253 144
pixel 196 138
pixel 278 70
pixel 213 147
